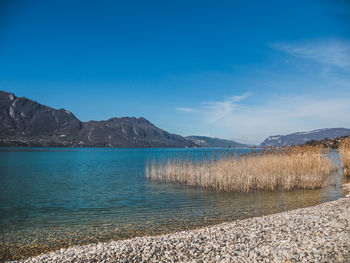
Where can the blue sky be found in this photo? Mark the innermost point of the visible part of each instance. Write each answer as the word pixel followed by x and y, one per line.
pixel 240 70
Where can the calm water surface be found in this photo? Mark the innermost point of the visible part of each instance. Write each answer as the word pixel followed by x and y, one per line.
pixel 56 197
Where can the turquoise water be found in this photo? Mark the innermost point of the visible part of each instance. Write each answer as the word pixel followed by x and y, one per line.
pixel 55 197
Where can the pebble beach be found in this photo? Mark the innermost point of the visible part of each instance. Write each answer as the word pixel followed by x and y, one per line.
pixel 315 234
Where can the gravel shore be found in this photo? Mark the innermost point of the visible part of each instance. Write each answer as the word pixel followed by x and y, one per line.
pixel 314 234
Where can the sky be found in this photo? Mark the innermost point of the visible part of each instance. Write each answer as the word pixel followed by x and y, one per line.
pixel 241 70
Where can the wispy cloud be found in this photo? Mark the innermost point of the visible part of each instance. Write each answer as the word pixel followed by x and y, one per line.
pixel 313 93
pixel 217 110
pixel 329 52
pixel 278 115
pixel 185 109
pixel 241 97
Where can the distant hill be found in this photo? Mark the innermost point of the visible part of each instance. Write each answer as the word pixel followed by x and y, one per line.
pixel 204 141
pixel 24 122
pixel 330 143
pixel 304 137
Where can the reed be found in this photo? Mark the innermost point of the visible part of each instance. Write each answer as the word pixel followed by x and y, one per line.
pixel 295 167
pixel 344 149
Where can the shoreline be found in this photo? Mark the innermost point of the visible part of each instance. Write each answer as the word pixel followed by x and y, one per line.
pixel 31 242
pixel 316 233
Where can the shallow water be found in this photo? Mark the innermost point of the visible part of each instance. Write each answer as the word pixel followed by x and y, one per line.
pixel 56 197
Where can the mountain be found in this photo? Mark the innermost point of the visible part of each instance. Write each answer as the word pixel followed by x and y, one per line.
pixel 24 117
pixel 204 141
pixel 24 122
pixel 303 137
pixel 129 132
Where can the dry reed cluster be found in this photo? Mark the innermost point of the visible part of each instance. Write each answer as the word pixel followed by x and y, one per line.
pixel 344 149
pixel 295 167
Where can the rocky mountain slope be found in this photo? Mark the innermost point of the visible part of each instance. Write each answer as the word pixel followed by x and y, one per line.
pixel 24 122
pixel 204 141
pixel 303 137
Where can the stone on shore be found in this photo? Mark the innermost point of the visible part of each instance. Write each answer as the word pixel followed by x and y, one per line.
pixel 314 234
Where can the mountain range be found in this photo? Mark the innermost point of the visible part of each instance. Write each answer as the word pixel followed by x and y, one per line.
pixel 24 122
pixel 204 141
pixel 304 137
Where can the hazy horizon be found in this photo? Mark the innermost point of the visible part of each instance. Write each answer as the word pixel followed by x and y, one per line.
pixel 233 70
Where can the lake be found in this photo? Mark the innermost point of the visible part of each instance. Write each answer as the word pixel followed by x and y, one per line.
pixel 56 197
